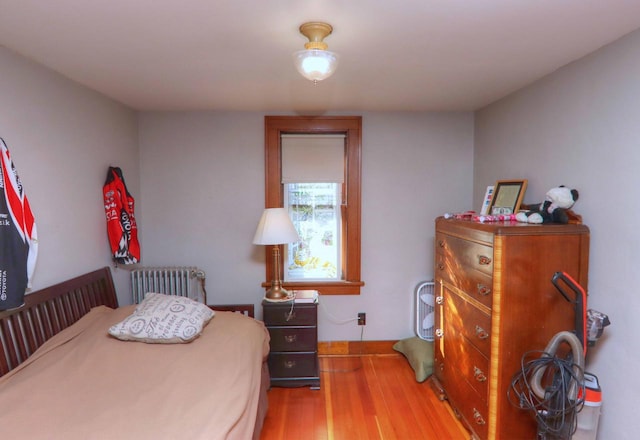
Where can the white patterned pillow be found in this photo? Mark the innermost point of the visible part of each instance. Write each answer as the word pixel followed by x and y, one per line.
pixel 163 319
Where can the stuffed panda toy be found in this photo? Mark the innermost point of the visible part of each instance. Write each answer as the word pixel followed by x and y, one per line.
pixel 554 208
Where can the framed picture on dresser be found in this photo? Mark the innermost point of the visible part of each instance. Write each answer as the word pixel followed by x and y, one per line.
pixel 507 196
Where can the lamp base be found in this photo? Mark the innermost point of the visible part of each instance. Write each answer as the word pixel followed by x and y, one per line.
pixel 277 293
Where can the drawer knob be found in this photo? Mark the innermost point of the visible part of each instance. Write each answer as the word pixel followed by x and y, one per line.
pixel 289 364
pixel 440 266
pixel 441 243
pixel 439 300
pixel 288 316
pixel 479 375
pixel 439 333
pixel 483 260
pixel 290 338
pixel 483 290
pixel 477 417
pixel 481 333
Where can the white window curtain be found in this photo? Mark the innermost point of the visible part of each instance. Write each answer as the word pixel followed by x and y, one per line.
pixel 312 158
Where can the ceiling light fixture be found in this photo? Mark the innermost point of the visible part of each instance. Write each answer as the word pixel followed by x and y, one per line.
pixel 315 62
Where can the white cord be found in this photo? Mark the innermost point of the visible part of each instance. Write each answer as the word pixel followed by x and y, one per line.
pixel 290 311
pixel 334 319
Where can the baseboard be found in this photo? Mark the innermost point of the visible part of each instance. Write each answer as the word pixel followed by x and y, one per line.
pixel 345 348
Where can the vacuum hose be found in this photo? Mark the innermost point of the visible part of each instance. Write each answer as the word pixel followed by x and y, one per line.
pixel 556 403
pixel 550 351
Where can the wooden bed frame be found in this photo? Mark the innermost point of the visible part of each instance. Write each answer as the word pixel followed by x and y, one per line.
pixel 48 311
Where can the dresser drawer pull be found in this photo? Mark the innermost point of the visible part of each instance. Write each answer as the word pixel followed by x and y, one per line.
pixel 481 333
pixel 288 316
pixel 289 364
pixel 290 338
pixel 439 333
pixel 483 260
pixel 439 300
pixel 440 266
pixel 479 375
pixel 477 417
pixel 441 243
pixel 483 290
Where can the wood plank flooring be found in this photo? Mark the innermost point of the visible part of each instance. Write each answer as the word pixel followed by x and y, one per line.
pixel 361 397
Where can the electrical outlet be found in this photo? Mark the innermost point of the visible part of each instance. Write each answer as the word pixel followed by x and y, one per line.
pixel 362 318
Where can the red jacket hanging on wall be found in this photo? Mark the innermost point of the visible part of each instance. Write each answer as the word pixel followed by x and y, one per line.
pixel 121 221
pixel 18 237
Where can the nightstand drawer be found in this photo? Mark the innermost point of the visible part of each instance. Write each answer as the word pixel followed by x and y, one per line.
pixel 293 338
pixel 293 365
pixel 301 315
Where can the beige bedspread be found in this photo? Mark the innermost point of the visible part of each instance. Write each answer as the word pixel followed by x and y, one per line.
pixel 84 384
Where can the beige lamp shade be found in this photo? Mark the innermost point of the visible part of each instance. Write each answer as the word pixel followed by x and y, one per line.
pixel 275 227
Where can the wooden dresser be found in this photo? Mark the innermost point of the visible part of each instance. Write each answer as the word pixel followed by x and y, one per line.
pixel 495 301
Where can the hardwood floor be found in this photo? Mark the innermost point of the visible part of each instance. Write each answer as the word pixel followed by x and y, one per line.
pixel 361 397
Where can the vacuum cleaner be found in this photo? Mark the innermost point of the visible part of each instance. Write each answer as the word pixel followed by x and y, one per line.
pixel 552 383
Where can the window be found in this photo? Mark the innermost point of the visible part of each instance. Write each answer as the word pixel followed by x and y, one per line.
pixel 313 169
pixel 325 209
pixel 314 209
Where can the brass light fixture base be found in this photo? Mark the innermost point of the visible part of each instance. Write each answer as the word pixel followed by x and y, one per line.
pixel 316 31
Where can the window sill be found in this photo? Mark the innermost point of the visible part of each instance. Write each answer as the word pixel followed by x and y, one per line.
pixel 324 288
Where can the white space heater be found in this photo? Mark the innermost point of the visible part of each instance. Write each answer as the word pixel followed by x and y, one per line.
pixel 425 310
pixel 186 281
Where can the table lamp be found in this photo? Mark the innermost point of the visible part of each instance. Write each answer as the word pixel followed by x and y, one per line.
pixel 275 228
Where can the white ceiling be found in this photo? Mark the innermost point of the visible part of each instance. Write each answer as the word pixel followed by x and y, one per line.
pixel 237 55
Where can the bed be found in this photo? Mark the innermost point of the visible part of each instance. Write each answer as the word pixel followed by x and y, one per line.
pixel 64 377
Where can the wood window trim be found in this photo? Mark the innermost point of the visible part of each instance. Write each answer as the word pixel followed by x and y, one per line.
pixel 351 127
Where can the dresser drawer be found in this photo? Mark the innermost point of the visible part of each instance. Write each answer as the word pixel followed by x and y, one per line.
pixel 472 365
pixel 293 338
pixel 280 315
pixel 477 285
pixel 459 253
pixel 474 324
pixel 287 365
pixel 470 406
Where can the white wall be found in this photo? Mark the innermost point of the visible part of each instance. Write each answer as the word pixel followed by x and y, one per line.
pixel 202 183
pixel 62 138
pixel 580 127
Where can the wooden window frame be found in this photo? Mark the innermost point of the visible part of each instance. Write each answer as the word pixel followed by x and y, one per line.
pixel 351 127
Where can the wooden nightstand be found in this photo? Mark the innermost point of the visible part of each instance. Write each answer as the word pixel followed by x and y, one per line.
pixel 293 359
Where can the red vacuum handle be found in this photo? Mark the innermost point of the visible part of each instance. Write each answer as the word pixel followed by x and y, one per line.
pixel 580 303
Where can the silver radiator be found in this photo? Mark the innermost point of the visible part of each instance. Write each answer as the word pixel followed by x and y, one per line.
pixel 186 281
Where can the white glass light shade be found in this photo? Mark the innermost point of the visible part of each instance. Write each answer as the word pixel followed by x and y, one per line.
pixel 275 227
pixel 315 64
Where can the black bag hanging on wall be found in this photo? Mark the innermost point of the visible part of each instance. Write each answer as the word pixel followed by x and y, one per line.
pixel 18 236
pixel 122 229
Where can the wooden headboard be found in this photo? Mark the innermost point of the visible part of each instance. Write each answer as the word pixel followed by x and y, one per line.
pixel 48 311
